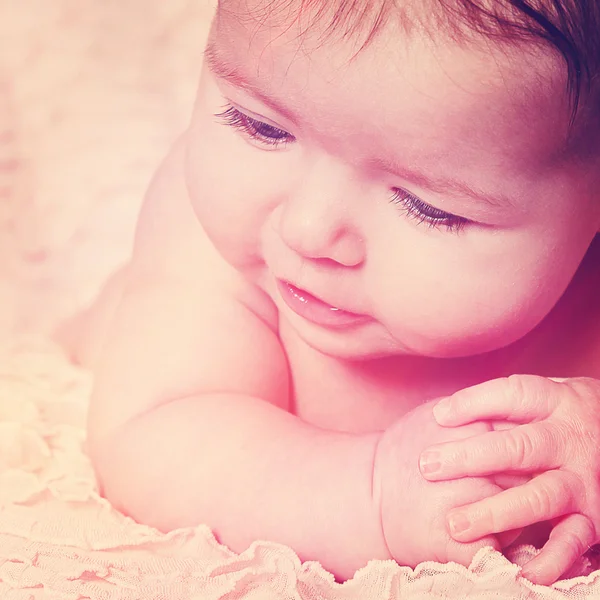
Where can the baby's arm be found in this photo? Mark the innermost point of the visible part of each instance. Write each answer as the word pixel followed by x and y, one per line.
pixel 187 423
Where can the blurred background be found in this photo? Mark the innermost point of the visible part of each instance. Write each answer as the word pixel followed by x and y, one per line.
pixel 91 96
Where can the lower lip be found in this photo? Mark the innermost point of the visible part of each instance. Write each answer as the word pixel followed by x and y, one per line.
pixel 314 310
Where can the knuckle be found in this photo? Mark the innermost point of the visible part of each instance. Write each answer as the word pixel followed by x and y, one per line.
pixel 583 527
pixel 515 387
pixel 574 544
pixel 561 489
pixel 542 500
pixel 550 443
pixel 577 533
pixel 589 530
pixel 552 438
pixel 584 386
pixel 518 445
pixel 528 391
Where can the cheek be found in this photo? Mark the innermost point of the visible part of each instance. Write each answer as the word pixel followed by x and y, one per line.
pixel 443 299
pixel 233 188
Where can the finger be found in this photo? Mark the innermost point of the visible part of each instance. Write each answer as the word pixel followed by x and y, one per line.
pixel 518 398
pixel 551 494
pixel 526 448
pixel 506 538
pixel 508 480
pixel 569 540
pixel 463 553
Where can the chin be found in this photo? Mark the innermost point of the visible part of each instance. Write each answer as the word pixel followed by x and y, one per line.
pixel 363 343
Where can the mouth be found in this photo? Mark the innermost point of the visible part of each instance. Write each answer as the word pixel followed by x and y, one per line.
pixel 313 309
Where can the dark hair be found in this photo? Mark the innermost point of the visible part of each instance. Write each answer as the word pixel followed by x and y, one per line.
pixel 571 27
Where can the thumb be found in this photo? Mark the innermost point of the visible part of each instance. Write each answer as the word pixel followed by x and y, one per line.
pixel 506 538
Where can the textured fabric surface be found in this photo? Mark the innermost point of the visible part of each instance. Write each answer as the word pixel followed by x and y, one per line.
pixel 59 539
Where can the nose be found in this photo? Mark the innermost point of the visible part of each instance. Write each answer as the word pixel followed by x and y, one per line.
pixel 316 219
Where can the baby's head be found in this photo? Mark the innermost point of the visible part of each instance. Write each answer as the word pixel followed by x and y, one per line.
pixel 434 165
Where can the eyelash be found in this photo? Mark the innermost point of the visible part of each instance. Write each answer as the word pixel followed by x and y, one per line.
pixel 425 213
pixel 275 137
pixel 257 130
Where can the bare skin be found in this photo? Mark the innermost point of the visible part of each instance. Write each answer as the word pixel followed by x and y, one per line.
pixel 193 349
pixel 363 405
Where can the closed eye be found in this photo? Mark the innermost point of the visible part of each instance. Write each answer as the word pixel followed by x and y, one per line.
pixel 422 212
pixel 265 134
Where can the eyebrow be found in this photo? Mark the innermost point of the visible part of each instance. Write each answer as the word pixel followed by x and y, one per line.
pixel 222 69
pixel 444 186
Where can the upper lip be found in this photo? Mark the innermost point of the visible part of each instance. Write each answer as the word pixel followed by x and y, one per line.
pixel 318 297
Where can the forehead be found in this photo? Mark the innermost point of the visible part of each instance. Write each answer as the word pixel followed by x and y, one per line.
pixel 471 91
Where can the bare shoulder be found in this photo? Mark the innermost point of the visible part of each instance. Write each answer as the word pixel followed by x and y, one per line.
pixel 171 244
pixel 181 327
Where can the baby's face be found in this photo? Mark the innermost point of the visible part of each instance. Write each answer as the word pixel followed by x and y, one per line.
pixel 426 186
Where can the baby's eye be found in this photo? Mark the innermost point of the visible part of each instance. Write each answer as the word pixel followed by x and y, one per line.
pixel 425 213
pixel 257 130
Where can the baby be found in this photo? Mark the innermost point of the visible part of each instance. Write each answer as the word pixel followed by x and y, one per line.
pixel 376 205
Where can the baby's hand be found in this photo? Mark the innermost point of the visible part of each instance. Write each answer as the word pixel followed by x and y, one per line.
pixel 413 510
pixel 558 439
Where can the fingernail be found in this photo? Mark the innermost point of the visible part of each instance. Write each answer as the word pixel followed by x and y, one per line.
pixel 442 409
pixel 429 463
pixel 458 523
